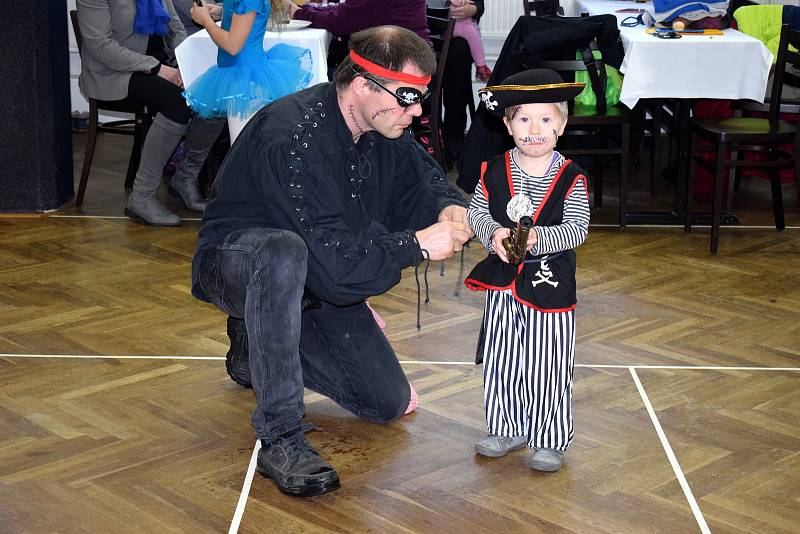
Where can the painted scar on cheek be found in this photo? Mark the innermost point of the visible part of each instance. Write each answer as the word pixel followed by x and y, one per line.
pixel 383 111
pixel 354 119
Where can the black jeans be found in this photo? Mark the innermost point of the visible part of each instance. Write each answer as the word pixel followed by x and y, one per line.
pixel 259 274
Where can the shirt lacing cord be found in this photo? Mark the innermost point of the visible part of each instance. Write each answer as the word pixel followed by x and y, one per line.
pixel 297 149
pixel 457 292
pixel 426 257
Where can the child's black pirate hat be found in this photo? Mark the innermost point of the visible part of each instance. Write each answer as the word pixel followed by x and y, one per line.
pixel 528 87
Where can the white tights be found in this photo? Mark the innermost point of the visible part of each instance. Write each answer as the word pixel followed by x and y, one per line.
pixel 236 124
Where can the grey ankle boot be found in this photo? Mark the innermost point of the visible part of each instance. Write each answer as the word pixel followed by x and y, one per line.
pixel 200 137
pixel 143 205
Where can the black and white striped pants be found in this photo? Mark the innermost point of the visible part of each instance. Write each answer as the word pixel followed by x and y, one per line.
pixel 528 359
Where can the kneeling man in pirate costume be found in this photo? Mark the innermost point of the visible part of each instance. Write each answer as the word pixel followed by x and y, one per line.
pixel 530 211
pixel 322 201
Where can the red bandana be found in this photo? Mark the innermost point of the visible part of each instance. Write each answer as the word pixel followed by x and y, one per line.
pixel 383 72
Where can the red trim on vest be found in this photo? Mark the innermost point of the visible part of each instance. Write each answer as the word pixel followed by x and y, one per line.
pixel 508 175
pixel 577 179
pixel 483 185
pixel 537 308
pixel 476 285
pixel 549 190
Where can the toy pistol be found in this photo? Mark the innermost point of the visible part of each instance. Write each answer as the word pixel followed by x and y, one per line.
pixel 516 244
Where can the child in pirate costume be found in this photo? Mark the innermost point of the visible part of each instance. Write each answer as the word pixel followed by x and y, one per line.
pixel 528 339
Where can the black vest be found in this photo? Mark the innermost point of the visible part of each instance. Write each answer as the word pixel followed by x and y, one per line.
pixel 547 282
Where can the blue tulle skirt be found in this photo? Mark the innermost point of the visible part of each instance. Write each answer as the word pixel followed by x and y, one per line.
pixel 242 89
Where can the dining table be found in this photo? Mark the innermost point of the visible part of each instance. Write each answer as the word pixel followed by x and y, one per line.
pixel 197 53
pixel 726 65
pixel 732 65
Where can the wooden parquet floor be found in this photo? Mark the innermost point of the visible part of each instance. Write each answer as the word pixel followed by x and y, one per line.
pixel 116 414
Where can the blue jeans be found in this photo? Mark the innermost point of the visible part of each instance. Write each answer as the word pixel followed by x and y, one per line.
pixel 259 274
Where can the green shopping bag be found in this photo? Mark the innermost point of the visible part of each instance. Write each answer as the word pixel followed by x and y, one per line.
pixel 613 84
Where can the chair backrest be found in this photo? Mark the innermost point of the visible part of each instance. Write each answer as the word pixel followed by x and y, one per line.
pixel 540 8
pixel 787 70
pixel 733 5
pixel 441 26
pixel 598 78
pixel 76 30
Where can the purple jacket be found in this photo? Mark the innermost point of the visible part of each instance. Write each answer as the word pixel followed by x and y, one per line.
pixel 356 15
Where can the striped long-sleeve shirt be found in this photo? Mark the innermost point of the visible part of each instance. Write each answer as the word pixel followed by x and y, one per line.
pixel 550 239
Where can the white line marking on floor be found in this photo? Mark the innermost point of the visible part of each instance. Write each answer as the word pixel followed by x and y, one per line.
pixel 689 367
pixel 698 515
pixel 593 225
pixel 111 357
pixel 680 226
pixel 431 362
pixel 64 216
pixel 408 362
pixel 248 481
pixel 620 366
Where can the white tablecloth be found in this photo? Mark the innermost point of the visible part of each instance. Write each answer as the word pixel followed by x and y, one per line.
pixel 198 52
pixel 730 66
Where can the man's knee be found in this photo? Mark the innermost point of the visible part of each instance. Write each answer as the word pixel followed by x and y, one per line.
pixel 390 406
pixel 271 247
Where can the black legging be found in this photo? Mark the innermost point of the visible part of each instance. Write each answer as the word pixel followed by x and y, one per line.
pixel 153 91
pixel 457 90
pixel 159 95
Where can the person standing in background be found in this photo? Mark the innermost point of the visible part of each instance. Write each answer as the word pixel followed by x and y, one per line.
pixel 457 90
pixel 468 29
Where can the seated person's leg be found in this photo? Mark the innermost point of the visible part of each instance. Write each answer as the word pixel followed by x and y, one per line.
pixel 200 138
pixel 169 126
pixel 346 356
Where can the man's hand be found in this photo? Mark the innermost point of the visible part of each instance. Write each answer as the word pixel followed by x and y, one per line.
pixel 170 74
pixel 465 11
pixel 454 213
pixel 497 243
pixel 443 239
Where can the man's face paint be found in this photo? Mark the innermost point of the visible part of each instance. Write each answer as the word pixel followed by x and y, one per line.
pixel 385 113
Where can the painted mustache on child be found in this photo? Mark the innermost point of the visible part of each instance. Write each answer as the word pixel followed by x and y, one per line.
pixel 538 139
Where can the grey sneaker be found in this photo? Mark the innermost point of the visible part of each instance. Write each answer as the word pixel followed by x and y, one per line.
pixel 295 467
pixel 545 460
pixel 497 446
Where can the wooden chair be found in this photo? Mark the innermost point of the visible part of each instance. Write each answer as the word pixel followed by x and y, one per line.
pixel 752 134
pixel 541 8
pixel 441 27
pixel 137 127
pixel 603 130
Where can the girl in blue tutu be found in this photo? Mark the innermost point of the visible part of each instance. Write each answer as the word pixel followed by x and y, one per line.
pixel 246 78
